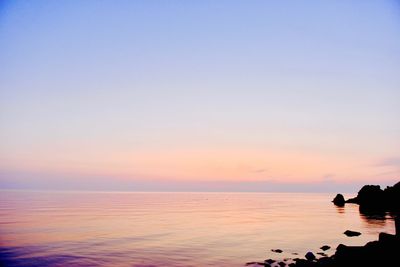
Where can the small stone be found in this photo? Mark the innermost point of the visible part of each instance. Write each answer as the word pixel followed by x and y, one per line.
pixel 325 247
pixel 277 250
pixel 351 233
pixel 310 256
pixel 281 264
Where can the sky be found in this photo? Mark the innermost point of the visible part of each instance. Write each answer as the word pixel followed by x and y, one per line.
pixel 199 95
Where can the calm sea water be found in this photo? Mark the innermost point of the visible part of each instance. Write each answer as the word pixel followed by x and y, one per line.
pixel 172 229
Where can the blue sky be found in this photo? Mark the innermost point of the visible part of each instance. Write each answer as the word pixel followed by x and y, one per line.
pixel 245 92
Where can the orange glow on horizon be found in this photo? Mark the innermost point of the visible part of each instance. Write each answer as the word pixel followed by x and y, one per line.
pixel 209 165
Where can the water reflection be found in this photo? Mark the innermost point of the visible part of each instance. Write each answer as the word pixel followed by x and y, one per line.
pixel 376 219
pixel 172 229
pixel 340 210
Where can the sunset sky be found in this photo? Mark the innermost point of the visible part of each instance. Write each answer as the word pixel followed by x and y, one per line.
pixel 199 95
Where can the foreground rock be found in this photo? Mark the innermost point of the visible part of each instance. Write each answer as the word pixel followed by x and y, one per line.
pixel 310 256
pixel 383 252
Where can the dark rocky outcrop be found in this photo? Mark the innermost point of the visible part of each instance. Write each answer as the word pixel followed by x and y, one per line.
pixel 383 252
pixel 392 197
pixel 372 198
pixel 339 200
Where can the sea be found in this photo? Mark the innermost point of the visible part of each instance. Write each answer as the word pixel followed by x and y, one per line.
pixel 148 229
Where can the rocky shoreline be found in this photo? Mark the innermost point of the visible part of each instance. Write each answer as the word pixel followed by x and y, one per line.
pixel 383 252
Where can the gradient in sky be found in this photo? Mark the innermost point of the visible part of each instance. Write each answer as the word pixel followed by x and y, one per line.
pixel 199 95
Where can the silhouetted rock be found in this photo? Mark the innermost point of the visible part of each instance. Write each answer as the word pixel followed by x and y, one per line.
pixel 302 262
pixel 325 261
pixel 351 233
pixel 375 253
pixel 388 239
pixel 325 247
pixel 372 199
pixel 270 261
pixel 339 200
pixel 281 264
pixel 277 250
pixel 369 195
pixel 310 256
pixel 392 197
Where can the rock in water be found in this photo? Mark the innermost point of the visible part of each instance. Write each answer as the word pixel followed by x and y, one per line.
pixel 310 256
pixel 324 248
pixel 277 250
pixel 339 200
pixel 352 233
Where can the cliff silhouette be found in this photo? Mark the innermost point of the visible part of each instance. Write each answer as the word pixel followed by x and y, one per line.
pixel 373 198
